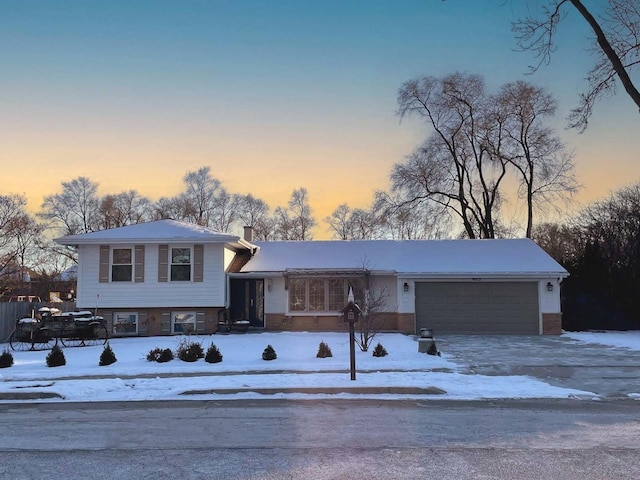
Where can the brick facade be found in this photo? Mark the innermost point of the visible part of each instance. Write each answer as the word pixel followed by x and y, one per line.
pixel 551 323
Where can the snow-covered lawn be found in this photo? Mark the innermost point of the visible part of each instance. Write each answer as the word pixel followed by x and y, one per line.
pixel 132 377
pixel 629 339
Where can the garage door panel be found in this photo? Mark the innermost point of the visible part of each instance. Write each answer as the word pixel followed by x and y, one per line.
pixel 476 308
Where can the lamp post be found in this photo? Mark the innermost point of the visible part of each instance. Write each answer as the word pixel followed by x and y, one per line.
pixel 350 313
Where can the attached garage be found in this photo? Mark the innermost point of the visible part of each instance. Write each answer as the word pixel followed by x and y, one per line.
pixel 506 308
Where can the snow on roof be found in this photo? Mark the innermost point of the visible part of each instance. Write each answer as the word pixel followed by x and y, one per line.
pixel 438 257
pixel 149 232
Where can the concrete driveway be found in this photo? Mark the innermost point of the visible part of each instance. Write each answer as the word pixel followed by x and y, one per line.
pixel 610 372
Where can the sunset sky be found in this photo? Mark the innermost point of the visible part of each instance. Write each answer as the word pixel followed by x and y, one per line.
pixel 272 95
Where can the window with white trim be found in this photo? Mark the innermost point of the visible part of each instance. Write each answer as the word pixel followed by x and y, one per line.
pixel 183 322
pixel 322 294
pixel 180 264
pixel 121 264
pixel 125 323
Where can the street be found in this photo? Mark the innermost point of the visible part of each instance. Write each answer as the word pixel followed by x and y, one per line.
pixel 278 439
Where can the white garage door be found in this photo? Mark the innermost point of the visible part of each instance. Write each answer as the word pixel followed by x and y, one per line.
pixel 477 307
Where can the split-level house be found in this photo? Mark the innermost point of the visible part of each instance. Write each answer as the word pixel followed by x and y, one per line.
pixel 169 277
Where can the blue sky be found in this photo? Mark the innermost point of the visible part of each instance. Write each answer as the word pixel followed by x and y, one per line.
pixel 272 95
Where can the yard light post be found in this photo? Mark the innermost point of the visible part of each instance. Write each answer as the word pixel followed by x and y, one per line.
pixel 351 313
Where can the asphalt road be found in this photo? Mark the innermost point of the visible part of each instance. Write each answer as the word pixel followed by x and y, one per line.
pixel 336 439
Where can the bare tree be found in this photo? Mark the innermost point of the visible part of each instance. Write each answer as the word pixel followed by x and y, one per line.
pixel 76 209
pixel 224 211
pixel 616 46
pixel 175 208
pixel 455 167
pixel 296 221
pixel 354 224
pixel 546 172
pixel 251 210
pixel 201 194
pixel 372 296
pixel 416 220
pixel 124 208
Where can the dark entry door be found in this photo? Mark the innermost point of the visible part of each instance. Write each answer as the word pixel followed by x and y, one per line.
pixel 247 301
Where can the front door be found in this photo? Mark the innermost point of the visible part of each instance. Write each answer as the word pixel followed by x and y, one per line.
pixel 247 301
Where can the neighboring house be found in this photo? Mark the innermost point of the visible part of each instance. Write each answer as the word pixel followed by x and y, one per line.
pixel 168 277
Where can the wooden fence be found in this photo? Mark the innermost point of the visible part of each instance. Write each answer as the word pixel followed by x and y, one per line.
pixel 11 311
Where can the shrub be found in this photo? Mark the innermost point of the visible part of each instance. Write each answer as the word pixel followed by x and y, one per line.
pixel 160 355
pixel 269 353
pixel 6 359
pixel 107 357
pixel 213 355
pixel 324 351
pixel 379 351
pixel 189 351
pixel 55 358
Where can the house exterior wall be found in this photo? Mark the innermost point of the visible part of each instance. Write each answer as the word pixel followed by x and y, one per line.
pixel 278 317
pixel 157 321
pixel 392 321
pixel 151 293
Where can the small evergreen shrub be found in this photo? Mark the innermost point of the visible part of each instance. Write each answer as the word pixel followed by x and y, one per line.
pixel 160 355
pixel 6 359
pixel 213 355
pixel 379 351
pixel 55 358
pixel 269 353
pixel 432 349
pixel 324 351
pixel 107 357
pixel 189 351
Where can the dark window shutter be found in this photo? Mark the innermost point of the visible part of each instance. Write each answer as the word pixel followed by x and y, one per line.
pixel 198 258
pixel 163 263
pixel 139 265
pixel 165 322
pixel 103 274
pixel 143 323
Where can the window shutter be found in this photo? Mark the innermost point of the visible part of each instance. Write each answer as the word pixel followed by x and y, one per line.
pixel 139 265
pixel 143 324
pixel 103 274
pixel 200 322
pixel 163 263
pixel 165 322
pixel 198 258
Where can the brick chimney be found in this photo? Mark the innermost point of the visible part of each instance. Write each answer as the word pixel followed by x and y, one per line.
pixel 248 233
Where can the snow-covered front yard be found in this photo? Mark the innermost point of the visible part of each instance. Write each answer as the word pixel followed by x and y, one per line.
pixel 132 377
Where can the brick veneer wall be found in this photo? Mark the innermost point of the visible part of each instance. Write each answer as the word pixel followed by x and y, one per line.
pixel 392 321
pixel 551 323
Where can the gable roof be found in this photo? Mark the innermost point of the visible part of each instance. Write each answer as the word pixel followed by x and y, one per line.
pixel 159 231
pixel 408 257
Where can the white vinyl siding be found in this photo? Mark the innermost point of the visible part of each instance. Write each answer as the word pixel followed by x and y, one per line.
pixel 152 293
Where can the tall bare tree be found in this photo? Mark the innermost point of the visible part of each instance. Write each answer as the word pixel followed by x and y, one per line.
pixel 201 194
pixel 125 208
pixel 455 167
pixel 296 221
pixel 546 172
pixel 74 210
pixel 346 223
pixel 616 46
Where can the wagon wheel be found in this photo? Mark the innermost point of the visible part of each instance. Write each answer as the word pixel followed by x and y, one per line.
pixel 20 342
pixel 70 336
pixel 42 339
pixel 98 334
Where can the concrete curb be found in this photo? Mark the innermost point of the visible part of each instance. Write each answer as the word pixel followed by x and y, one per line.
pixel 323 391
pixel 40 395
